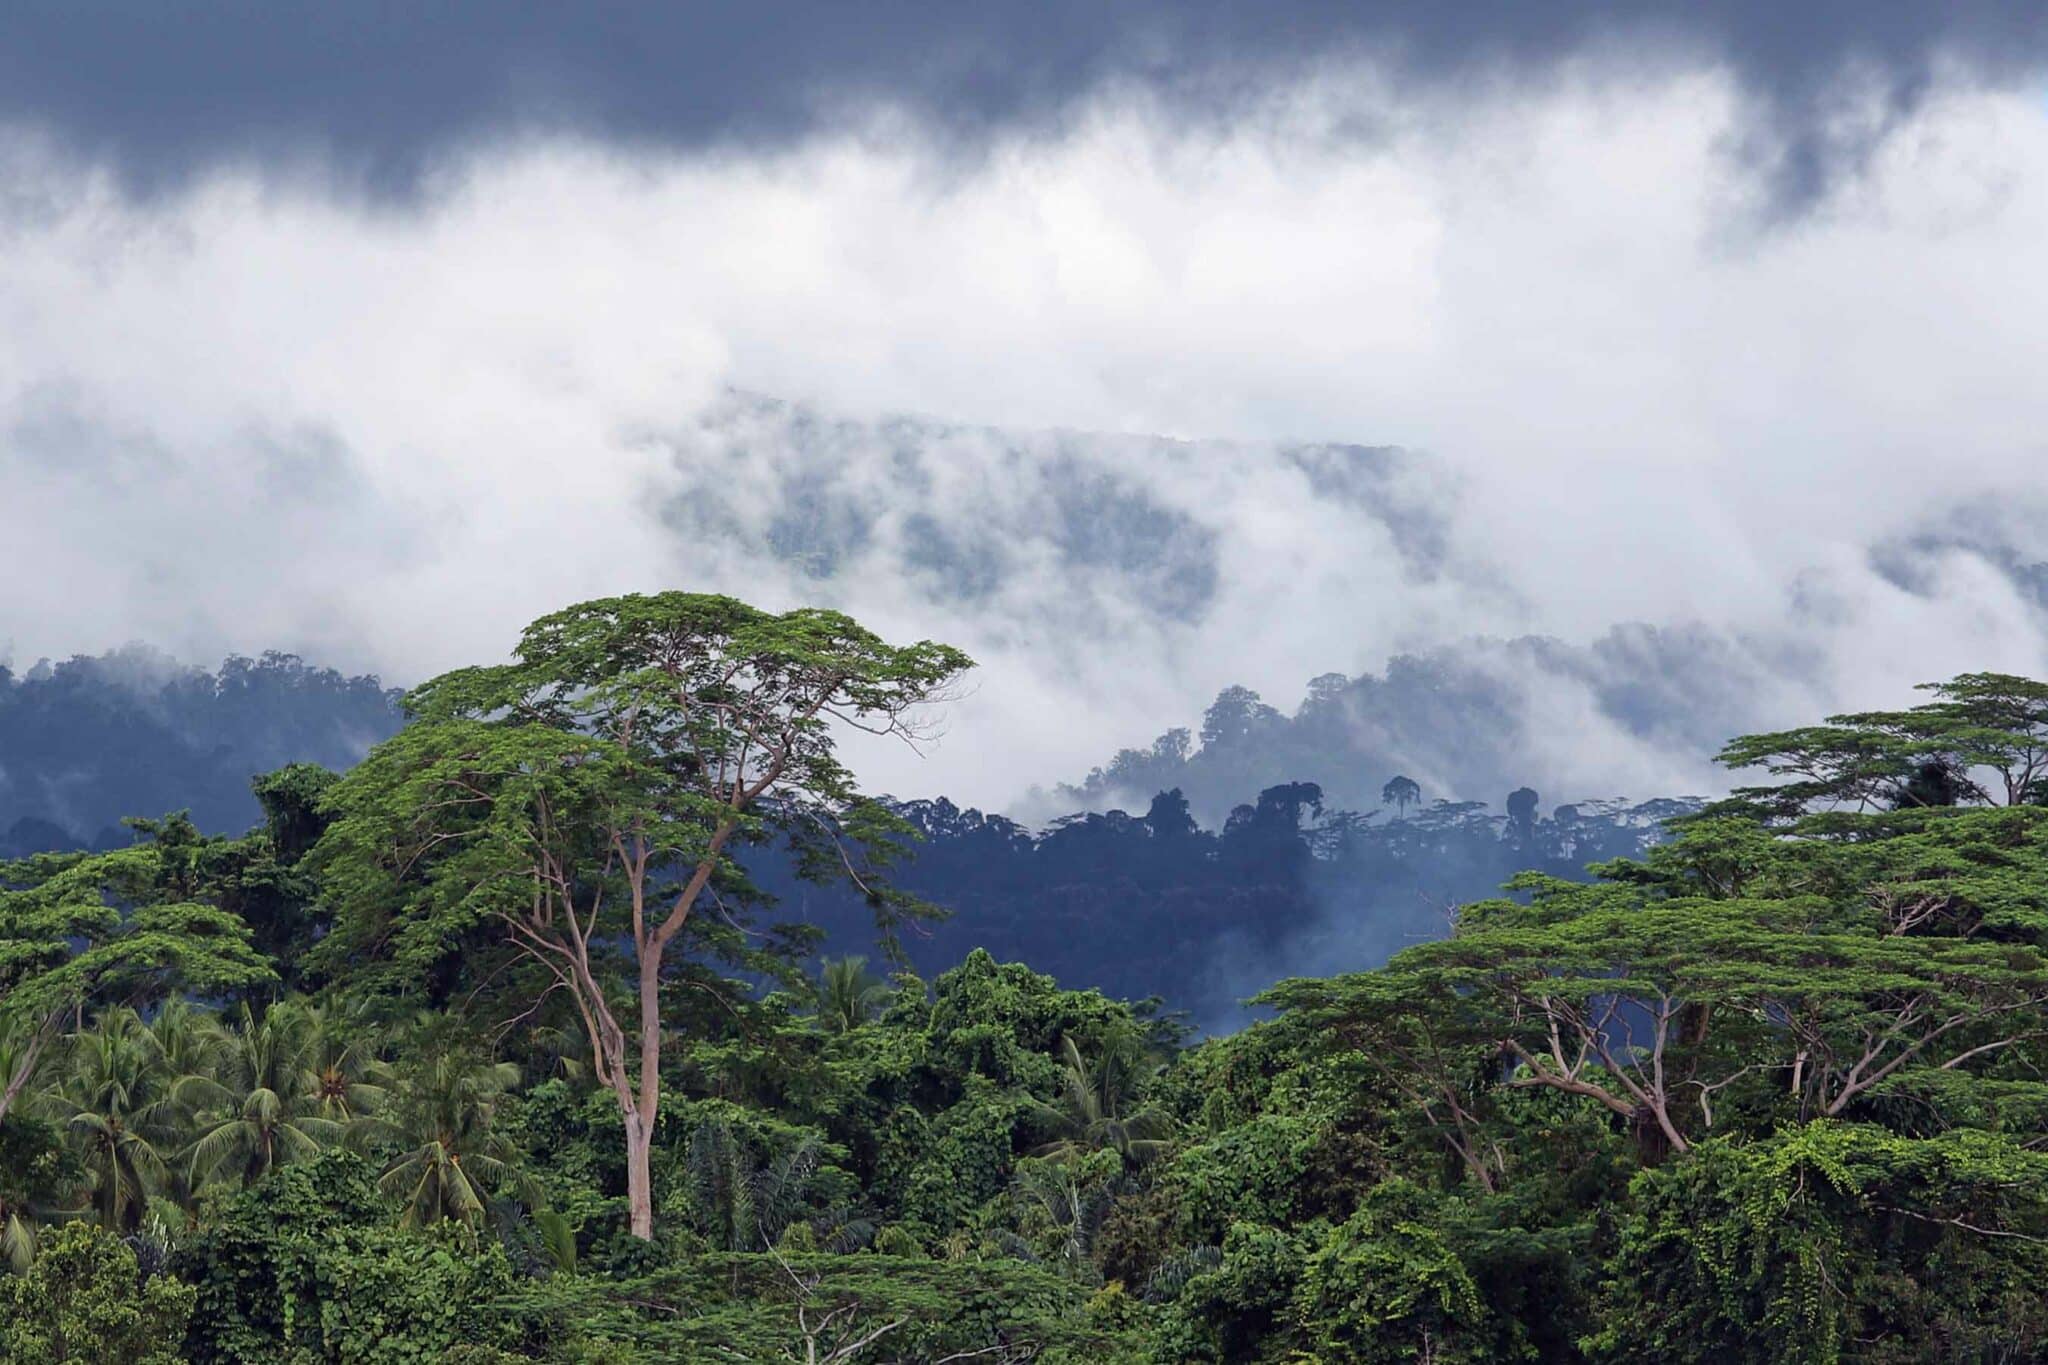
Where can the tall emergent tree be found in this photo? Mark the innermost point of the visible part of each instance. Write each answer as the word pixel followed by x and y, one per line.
pixel 1402 792
pixel 582 803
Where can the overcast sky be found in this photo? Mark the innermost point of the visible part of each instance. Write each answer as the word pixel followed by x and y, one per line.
pixel 375 342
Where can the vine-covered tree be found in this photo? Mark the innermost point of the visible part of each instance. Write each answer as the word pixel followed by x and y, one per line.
pixel 85 1300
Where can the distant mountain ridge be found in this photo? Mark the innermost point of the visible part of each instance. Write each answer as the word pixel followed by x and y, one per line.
pixel 90 740
pixel 1134 575
pixel 1462 721
pixel 1060 526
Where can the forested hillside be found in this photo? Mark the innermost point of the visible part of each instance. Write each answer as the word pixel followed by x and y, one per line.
pixel 1088 682
pixel 1464 721
pixel 89 741
pixel 1154 905
pixel 492 1049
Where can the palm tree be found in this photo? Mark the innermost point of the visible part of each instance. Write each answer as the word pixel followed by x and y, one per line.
pixel 192 1045
pixel 722 1174
pixel 190 1041
pixel 1101 1105
pixel 21 1051
pixel 27 1181
pixel 119 1099
pixel 19 1234
pixel 444 1158
pixel 350 1081
pixel 262 1106
pixel 741 1204
pixel 562 1049
pixel 1056 1198
pixel 848 994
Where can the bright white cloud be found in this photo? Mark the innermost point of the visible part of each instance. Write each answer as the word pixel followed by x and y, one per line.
pixel 258 414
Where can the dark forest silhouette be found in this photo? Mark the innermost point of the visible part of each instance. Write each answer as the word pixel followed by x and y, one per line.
pixel 90 741
pixel 1155 905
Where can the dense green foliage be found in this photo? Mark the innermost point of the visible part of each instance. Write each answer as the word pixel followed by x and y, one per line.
pixel 1769 1091
pixel 85 1298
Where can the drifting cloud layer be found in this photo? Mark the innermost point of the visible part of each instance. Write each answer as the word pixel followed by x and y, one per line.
pixel 256 411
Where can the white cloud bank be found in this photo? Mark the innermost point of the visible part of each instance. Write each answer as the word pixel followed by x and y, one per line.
pixel 257 414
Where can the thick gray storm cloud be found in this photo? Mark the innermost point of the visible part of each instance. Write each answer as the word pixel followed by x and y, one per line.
pixel 1237 350
pixel 166 89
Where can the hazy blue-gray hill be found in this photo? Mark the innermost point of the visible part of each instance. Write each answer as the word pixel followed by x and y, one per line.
pixel 85 742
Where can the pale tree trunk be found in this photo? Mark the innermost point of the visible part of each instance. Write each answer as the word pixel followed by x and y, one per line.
pixel 567 952
pixel 636 1117
pixel 646 1111
pixel 637 1104
pixel 639 1177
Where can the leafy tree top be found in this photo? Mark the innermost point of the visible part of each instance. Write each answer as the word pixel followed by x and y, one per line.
pixel 629 737
pixel 1995 724
pixel 83 927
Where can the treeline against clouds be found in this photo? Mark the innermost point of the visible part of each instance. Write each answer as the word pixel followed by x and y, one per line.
pixel 1468 720
pixel 89 741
